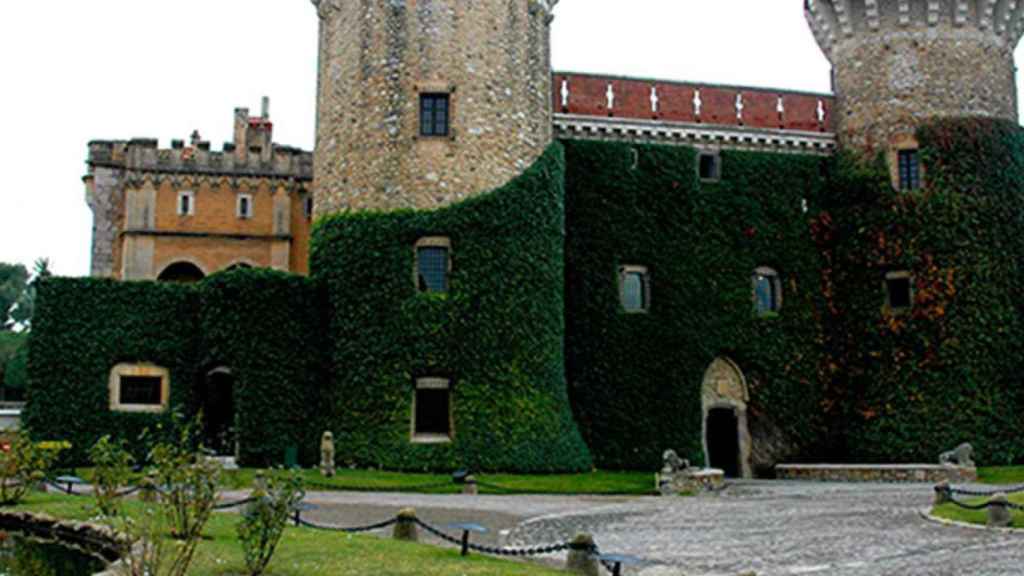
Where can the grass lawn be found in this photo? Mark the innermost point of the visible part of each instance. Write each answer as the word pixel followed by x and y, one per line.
pixel 1001 475
pixel 305 552
pixel 596 483
pixel 996 476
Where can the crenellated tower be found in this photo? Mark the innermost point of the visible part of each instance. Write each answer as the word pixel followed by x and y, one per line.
pixel 423 103
pixel 897 63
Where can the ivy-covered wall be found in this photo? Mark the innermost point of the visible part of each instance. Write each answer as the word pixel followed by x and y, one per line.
pixel 636 378
pixel 81 330
pixel 263 326
pixel 911 384
pixel 497 333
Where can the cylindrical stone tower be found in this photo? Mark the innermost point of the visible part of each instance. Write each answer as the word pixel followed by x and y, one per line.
pixel 426 102
pixel 899 62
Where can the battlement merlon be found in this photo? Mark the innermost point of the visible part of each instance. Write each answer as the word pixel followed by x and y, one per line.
pixel 323 7
pixel 999 22
pixel 143 155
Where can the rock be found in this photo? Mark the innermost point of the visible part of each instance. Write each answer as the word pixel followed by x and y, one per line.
pixel 581 560
pixel 959 456
pixel 998 511
pixel 405 528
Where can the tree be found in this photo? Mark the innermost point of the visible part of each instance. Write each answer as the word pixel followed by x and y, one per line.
pixel 18 294
pixel 13 284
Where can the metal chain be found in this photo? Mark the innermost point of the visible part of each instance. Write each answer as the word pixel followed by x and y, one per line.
pixel 496 551
pixel 414 488
pixel 234 504
pixel 352 530
pixel 965 492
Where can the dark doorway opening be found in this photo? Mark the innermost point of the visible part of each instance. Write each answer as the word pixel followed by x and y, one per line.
pixel 181 273
pixel 216 400
pixel 724 441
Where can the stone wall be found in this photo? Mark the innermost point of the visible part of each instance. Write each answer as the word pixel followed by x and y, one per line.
pixel 103 194
pixel 491 56
pixel 889 473
pixel 898 63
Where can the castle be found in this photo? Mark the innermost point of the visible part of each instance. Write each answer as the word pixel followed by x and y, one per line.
pixel 515 269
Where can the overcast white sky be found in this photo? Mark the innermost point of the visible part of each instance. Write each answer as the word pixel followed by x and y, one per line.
pixel 78 70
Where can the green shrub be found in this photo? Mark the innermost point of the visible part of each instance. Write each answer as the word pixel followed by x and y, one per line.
pixel 23 465
pixel 112 469
pixel 263 520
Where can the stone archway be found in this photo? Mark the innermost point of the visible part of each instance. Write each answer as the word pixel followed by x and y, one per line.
pixel 724 393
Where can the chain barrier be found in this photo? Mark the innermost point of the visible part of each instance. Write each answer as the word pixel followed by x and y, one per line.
pixel 235 504
pixel 950 492
pixel 965 492
pixel 496 551
pixel 352 530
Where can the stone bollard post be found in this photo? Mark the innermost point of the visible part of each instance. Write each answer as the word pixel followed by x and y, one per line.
pixel 998 511
pixel 405 528
pixel 941 493
pixel 581 558
pixel 469 488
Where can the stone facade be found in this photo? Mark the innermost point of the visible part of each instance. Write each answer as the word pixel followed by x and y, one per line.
pixel 134 190
pixel 898 63
pixel 376 58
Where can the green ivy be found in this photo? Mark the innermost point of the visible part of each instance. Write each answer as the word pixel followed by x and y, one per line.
pixel 497 334
pixel 918 382
pixel 636 378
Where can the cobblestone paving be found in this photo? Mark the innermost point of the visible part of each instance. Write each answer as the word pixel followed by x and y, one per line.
pixel 788 529
pixel 770 528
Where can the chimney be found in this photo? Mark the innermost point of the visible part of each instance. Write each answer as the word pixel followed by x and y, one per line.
pixel 266 108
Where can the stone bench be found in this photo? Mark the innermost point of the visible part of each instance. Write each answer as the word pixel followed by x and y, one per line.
pixel 890 473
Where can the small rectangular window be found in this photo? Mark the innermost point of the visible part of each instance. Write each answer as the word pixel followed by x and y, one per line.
pixel 434 114
pixel 186 204
pixel 709 166
pixel 141 390
pixel 634 288
pixel 432 413
pixel 899 290
pixel 433 263
pixel 244 206
pixel 308 207
pixel 910 170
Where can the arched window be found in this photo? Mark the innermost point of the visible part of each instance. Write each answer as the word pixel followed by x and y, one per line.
pixel 181 272
pixel 767 291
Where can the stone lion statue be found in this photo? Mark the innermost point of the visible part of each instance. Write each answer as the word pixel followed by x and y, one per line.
pixel 327 454
pixel 673 463
pixel 959 456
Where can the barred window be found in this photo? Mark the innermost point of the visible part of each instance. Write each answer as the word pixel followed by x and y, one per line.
pixel 709 167
pixel 910 170
pixel 434 114
pixel 141 390
pixel 433 263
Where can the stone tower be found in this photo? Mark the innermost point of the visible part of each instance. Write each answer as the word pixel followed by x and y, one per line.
pixel 423 103
pixel 897 63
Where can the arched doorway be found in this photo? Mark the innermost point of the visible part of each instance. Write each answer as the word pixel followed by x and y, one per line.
pixel 181 272
pixel 216 400
pixel 726 435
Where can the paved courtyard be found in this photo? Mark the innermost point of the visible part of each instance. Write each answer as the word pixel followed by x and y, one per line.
pixel 771 528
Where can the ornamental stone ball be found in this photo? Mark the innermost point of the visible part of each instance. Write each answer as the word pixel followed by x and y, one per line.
pixel 327 454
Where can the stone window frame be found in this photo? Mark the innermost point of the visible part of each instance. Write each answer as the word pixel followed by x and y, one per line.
pixel 776 281
pixel 431 242
pixel 432 383
pixel 898 275
pixel 717 168
pixel 904 143
pixel 912 182
pixel 645 277
pixel 191 208
pixel 248 198
pixel 143 369
pixel 440 88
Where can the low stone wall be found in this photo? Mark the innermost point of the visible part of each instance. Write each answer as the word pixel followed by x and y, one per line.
pixel 92 538
pixel 892 473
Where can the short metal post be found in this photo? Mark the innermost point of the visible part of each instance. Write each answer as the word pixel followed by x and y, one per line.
pixel 465 542
pixel 298 517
